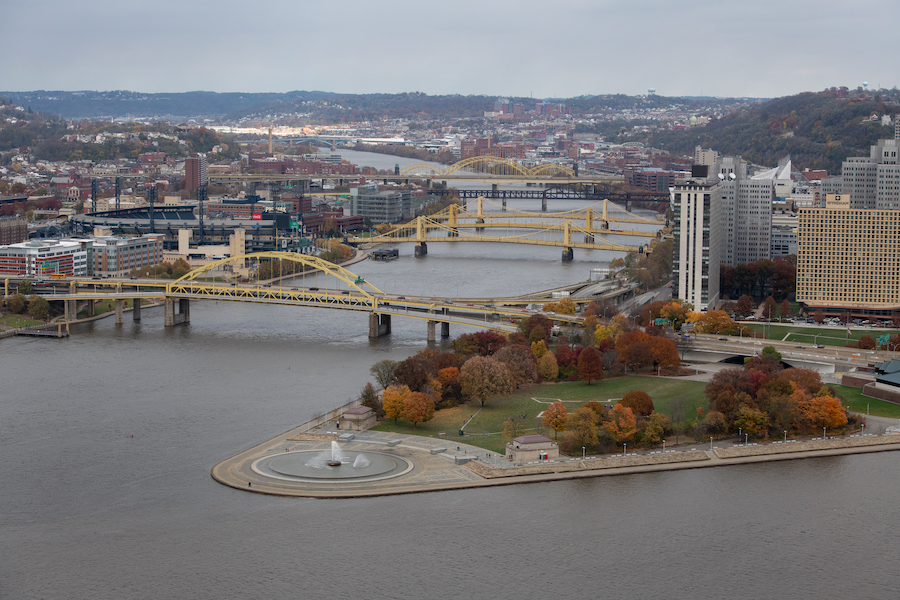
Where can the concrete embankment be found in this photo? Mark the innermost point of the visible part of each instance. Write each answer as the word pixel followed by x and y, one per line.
pixel 440 465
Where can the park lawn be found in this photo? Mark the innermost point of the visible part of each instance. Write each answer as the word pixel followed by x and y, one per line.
pixel 827 336
pixel 11 320
pixel 862 404
pixel 486 427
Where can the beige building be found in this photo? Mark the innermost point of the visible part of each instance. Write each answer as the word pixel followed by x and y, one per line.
pixel 847 259
pixel 529 448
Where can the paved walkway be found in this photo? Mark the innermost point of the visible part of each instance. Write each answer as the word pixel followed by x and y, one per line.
pixel 435 463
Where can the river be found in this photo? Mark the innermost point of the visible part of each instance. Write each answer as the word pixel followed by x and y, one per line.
pixel 108 438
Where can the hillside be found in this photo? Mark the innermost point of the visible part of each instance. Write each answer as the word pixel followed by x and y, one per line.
pixel 818 130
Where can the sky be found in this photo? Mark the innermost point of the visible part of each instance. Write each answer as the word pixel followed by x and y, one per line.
pixel 545 48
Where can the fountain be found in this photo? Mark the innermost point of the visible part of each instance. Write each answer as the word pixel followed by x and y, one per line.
pixel 337 457
pixel 333 464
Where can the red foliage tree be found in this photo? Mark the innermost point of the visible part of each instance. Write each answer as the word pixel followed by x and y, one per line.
pixel 590 366
pixel 639 402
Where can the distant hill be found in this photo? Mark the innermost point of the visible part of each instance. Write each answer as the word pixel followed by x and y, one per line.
pixel 818 130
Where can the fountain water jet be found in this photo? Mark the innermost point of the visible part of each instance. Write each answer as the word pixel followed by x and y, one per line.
pixel 337 456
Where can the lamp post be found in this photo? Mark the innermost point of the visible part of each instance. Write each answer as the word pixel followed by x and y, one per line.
pixel 746 439
pixel 823 433
pixel 785 436
pixel 740 433
pixel 624 449
pixel 664 445
pixel 582 453
pixel 710 442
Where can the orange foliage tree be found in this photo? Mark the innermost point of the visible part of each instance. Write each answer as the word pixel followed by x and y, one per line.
pixel 821 410
pixel 418 408
pixel 639 402
pixel 622 424
pixel 555 417
pixel 392 401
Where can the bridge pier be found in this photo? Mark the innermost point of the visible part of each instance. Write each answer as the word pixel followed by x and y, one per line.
pixel 71 309
pixel 589 238
pixel 494 189
pixel 136 310
pixel 119 304
pixel 544 202
pixel 379 325
pixel 567 254
pixel 421 249
pixel 481 222
pixel 445 330
pixel 504 199
pixel 430 336
pixel 183 315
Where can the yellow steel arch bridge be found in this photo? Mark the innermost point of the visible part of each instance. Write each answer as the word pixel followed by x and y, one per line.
pixel 570 229
pixel 490 165
pixel 339 289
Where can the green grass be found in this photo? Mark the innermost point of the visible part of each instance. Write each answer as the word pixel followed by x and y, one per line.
pixel 11 320
pixel 574 394
pixel 827 336
pixel 862 404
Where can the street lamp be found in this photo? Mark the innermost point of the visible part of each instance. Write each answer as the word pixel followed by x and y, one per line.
pixel 664 445
pixel 746 439
pixel 785 436
pixel 582 453
pixel 823 433
pixel 624 449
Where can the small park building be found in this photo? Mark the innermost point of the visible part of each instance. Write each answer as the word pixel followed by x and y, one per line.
pixel 529 448
pixel 358 418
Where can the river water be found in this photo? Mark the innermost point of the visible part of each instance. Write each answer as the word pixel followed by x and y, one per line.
pixel 108 437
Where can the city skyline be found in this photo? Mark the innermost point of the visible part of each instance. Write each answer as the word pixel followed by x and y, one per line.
pixel 766 49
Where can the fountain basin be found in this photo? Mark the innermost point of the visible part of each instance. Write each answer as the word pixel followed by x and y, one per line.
pixel 353 466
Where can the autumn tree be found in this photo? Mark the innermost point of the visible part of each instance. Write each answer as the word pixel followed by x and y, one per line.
pixel 664 351
pixel 715 322
pixel 536 320
pixel 392 401
pixel 520 361
pixel 369 397
pixel 566 306
pixel 744 305
pixel 411 373
pixel 590 366
pixel 383 372
pixel 482 343
pixel 815 412
pixel 770 308
pixel 622 424
pixel 547 367
pixel 638 401
pixel 539 348
pixel 581 428
pixel 635 355
pixel 751 420
pixel 483 376
pixel 16 304
pixel 555 417
pixel 418 408
pixel 819 316
pixel 38 307
pixel 866 343
pixel 785 309
pixel 657 427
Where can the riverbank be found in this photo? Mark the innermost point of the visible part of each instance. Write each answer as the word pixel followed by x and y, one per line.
pixel 440 465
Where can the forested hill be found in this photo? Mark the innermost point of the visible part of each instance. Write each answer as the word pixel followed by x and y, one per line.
pixel 818 130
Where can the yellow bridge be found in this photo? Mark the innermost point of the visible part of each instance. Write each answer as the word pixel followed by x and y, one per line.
pixel 340 289
pixel 561 229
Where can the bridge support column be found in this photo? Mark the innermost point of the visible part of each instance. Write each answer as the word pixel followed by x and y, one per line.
pixel 445 330
pixel 504 199
pixel 453 233
pixel 379 325
pixel 567 254
pixel 430 337
pixel 427 184
pixel 119 304
pixel 589 238
pixel 421 249
pixel 544 203
pixel 71 309
pixel 480 222
pixel 136 310
pixel 173 318
pixel 494 190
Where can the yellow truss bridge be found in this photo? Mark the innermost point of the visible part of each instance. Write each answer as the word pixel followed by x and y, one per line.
pixel 488 165
pixel 568 230
pixel 339 289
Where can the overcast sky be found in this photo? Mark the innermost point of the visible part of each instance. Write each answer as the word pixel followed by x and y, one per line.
pixel 540 48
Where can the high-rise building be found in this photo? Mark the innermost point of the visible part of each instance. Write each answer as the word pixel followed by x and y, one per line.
pixel 847 259
pixel 698 238
pixel 196 172
pixel 873 182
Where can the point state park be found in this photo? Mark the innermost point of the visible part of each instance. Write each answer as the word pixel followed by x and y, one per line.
pixel 328 458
